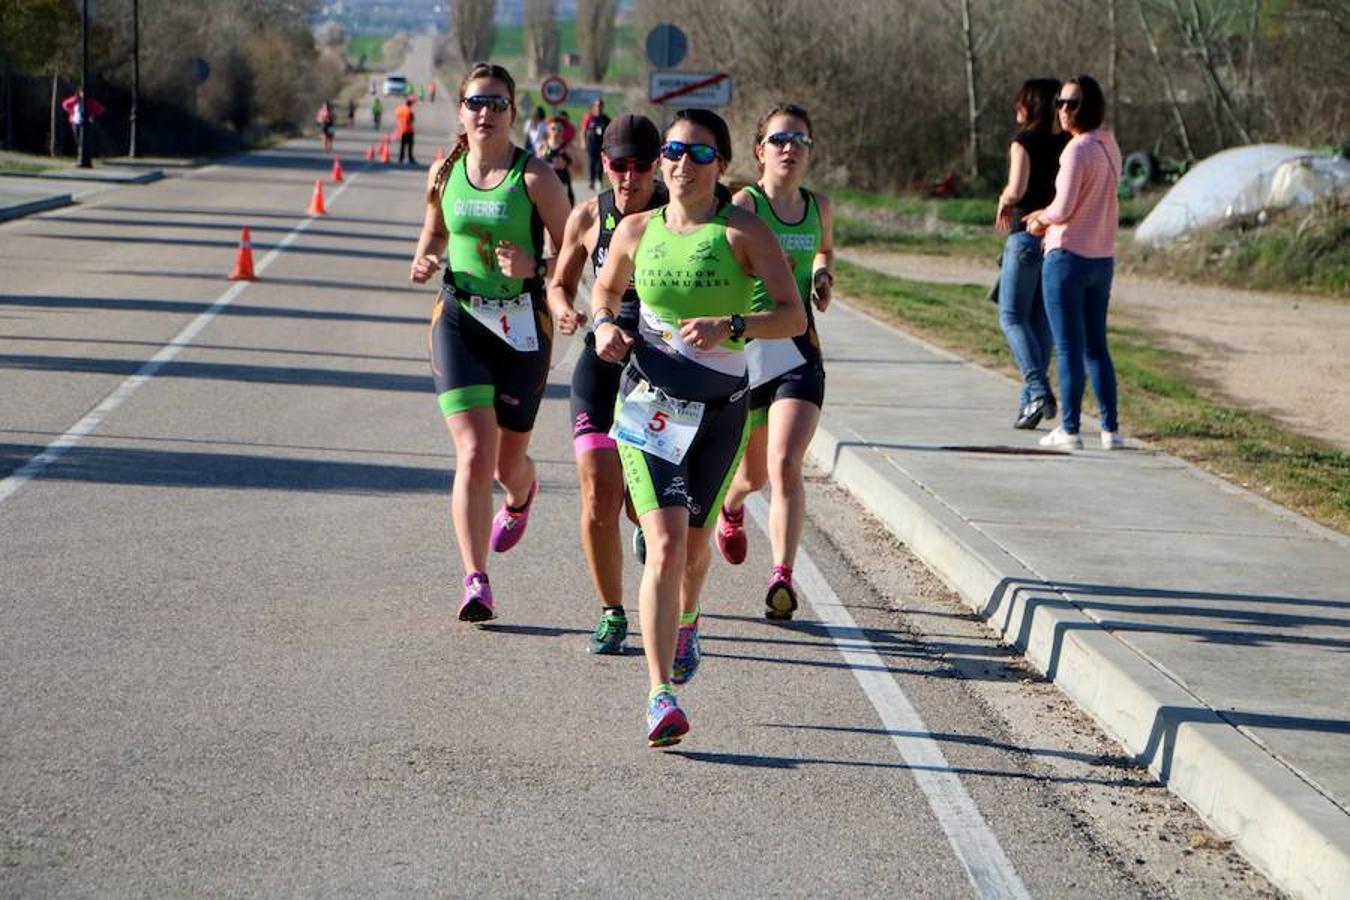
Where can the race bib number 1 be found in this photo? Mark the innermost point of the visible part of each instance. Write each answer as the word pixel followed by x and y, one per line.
pixel 657 424
pixel 511 320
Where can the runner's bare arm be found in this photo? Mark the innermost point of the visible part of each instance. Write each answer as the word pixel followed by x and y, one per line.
pixel 431 242
pixel 760 255
pixel 550 199
pixel 579 236
pixel 610 342
pixel 822 267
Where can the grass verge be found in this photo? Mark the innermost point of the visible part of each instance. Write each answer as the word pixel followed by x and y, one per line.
pixel 1162 399
pixel 369 46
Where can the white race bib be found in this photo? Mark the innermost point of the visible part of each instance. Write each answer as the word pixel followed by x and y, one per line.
pixel 727 360
pixel 660 425
pixel 766 360
pixel 511 320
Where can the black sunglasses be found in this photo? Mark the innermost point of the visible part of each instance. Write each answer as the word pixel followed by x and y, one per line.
pixel 699 153
pixel 782 139
pixel 495 102
pixel 1069 103
pixel 629 164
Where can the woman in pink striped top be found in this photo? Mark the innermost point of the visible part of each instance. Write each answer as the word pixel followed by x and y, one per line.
pixel 1080 248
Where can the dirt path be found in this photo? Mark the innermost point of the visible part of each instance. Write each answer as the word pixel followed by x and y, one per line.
pixel 1285 354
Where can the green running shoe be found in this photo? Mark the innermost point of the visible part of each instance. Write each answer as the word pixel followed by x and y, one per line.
pixel 609 634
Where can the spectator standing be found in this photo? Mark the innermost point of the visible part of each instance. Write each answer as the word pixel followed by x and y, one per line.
pixel 325 119
pixel 376 112
pixel 1033 162
pixel 593 127
pixel 558 155
pixel 1080 245
pixel 536 132
pixel 92 110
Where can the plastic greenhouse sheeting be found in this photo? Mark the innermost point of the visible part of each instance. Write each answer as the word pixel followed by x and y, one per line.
pixel 1241 182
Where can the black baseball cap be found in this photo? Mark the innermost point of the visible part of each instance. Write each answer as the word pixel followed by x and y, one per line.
pixel 631 136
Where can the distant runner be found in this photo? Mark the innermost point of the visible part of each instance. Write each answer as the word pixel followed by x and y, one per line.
pixel 681 424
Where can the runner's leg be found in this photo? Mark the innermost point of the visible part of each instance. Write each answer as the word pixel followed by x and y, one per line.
pixel 792 423
pixel 602 496
pixel 474 433
pixel 667 531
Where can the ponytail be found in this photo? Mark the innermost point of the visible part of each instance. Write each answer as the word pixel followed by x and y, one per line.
pixel 443 173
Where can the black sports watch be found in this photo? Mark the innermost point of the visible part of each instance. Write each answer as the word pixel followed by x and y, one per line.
pixel 737 326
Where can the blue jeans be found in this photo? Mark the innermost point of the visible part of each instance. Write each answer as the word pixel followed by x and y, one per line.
pixel 1077 292
pixel 1021 312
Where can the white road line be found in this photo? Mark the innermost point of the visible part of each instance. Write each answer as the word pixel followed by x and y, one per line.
pixel 181 341
pixel 990 871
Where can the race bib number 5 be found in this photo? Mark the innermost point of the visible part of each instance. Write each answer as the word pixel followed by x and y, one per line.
pixel 510 320
pixel 657 424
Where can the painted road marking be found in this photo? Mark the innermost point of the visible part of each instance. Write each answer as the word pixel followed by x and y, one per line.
pixel 990 871
pixel 181 341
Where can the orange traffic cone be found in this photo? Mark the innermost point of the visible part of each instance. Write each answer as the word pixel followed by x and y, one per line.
pixel 316 207
pixel 337 170
pixel 384 152
pixel 370 153
pixel 243 259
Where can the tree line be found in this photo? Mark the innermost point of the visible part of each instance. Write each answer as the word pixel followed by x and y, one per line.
pixel 265 73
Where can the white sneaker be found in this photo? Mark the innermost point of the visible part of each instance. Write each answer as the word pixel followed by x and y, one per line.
pixel 1061 438
pixel 1113 440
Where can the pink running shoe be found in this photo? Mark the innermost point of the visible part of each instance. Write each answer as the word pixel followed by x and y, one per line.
pixel 477 604
pixel 508 526
pixel 731 535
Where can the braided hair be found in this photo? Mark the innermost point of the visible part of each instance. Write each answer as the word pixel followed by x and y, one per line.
pixel 476 71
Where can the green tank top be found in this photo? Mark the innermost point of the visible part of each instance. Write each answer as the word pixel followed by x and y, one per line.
pixel 681 276
pixel 800 242
pixel 478 218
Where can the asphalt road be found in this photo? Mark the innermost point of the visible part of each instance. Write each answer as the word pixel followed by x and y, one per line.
pixel 230 665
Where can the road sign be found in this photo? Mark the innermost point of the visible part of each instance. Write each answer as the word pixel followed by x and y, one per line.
pixel 583 96
pixel 690 88
pixel 553 90
pixel 666 46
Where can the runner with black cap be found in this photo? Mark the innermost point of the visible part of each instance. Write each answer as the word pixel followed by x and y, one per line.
pixel 630 147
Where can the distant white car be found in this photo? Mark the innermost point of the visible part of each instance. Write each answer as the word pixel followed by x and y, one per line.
pixel 395 85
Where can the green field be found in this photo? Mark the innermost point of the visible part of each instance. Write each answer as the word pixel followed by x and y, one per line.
pixel 625 63
pixel 369 45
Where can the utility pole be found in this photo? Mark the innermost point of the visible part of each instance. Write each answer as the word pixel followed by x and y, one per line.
pixel 135 71
pixel 82 146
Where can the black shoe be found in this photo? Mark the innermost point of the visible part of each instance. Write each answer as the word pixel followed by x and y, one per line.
pixel 1031 414
pixel 1051 411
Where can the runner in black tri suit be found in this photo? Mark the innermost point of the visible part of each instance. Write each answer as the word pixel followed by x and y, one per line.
pixel 630 147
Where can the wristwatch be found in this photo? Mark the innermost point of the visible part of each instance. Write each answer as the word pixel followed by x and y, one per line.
pixel 737 326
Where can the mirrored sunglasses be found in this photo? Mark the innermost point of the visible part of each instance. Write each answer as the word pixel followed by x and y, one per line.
pixel 782 139
pixel 495 102
pixel 699 153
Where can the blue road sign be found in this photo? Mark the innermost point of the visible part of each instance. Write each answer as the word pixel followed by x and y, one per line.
pixel 666 46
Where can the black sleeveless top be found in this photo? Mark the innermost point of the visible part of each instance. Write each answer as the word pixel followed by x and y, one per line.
pixel 1043 150
pixel 610 217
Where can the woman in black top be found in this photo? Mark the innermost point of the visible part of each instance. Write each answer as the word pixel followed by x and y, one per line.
pixel 1033 162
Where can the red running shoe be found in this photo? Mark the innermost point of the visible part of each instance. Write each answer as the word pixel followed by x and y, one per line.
pixel 731 535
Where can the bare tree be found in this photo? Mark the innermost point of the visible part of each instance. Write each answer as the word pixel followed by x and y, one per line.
pixel 471 22
pixel 595 36
pixel 542 42
pixel 1178 119
pixel 1203 30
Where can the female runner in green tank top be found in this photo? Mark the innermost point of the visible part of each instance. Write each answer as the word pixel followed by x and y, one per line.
pixel 789 385
pixel 490 207
pixel 682 415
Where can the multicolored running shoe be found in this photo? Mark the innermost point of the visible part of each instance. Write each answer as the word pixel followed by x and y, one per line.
pixel 666 722
pixel 731 541
pixel 477 603
pixel 781 600
pixel 508 526
pixel 610 633
pixel 687 654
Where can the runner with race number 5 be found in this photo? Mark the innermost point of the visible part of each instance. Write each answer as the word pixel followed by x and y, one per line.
pixel 681 421
pixel 490 206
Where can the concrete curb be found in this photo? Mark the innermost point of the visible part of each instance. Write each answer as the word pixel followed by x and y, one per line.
pixel 94 176
pixel 1288 829
pixel 41 204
